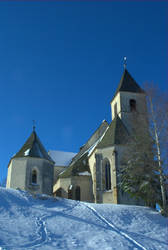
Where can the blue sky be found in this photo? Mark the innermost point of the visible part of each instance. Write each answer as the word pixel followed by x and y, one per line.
pixel 60 63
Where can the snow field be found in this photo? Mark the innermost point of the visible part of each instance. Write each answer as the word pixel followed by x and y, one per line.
pixel 49 223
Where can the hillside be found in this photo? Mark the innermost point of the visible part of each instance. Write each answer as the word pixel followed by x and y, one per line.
pixel 48 223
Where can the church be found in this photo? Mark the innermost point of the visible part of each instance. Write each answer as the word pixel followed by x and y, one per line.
pixel 92 174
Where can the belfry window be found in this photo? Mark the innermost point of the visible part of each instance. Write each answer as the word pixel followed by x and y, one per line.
pixel 132 105
pixel 34 176
pixel 107 176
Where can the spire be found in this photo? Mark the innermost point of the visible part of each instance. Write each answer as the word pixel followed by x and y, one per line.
pixel 128 84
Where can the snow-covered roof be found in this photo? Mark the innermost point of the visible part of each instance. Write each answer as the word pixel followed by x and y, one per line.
pixel 61 158
pixel 85 173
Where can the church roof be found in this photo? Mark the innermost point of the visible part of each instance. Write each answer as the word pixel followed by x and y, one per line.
pixel 105 136
pixel 79 166
pixel 61 158
pixel 80 161
pixel 128 84
pixel 92 140
pixel 33 148
pixel 116 134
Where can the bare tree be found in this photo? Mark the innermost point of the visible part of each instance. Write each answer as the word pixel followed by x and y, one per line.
pixel 145 164
pixel 158 118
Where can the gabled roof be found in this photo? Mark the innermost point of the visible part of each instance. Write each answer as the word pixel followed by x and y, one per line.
pixel 77 167
pixel 116 134
pixel 80 161
pixel 92 140
pixel 128 84
pixel 105 136
pixel 33 148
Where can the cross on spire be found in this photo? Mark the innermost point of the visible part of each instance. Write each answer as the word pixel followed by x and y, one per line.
pixel 125 62
pixel 34 122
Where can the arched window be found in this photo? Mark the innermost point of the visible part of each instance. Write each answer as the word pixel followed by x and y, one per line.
pixel 70 192
pixel 58 193
pixel 107 176
pixel 132 105
pixel 34 176
pixel 77 193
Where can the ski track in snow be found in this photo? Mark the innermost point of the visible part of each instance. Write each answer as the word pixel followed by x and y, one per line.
pixel 39 241
pixel 41 231
pixel 114 228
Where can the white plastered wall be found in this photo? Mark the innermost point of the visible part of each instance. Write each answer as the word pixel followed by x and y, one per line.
pixel 117 101
pixel 114 155
pixel 17 174
pixel 63 184
pixel 107 154
pixel 20 175
pixel 84 182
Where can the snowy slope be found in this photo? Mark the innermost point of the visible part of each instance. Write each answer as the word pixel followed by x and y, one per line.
pixel 28 223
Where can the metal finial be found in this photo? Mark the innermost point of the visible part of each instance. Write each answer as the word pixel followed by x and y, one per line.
pixel 125 62
pixel 34 122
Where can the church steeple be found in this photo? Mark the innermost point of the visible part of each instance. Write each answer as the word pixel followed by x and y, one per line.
pixel 128 84
pixel 129 99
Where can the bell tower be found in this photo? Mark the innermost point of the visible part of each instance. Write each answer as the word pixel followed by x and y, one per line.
pixel 129 101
